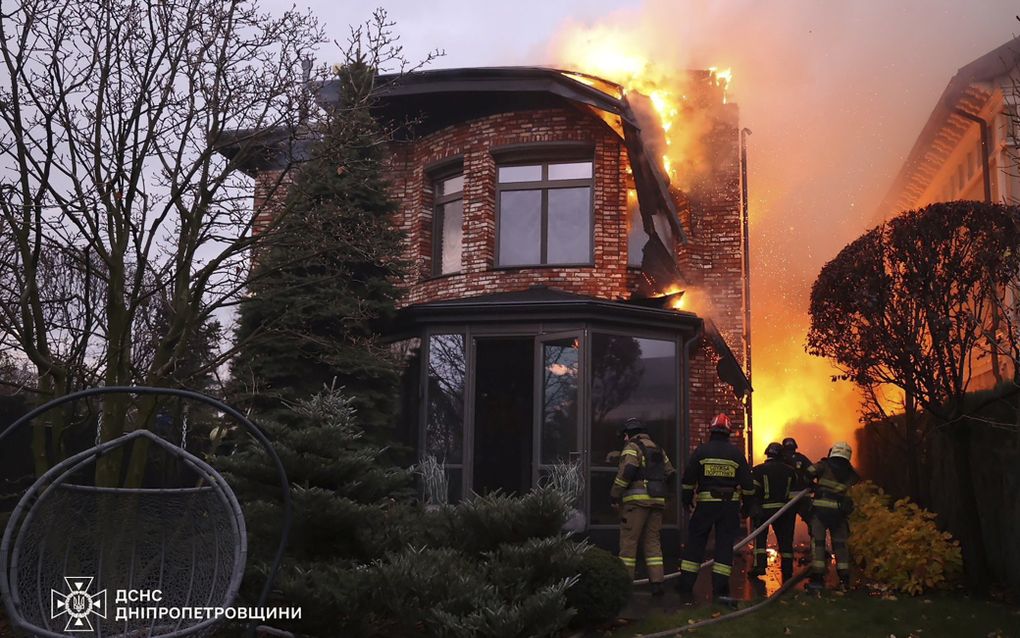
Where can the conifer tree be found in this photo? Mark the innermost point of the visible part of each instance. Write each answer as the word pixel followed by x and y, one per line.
pixel 347 506
pixel 328 280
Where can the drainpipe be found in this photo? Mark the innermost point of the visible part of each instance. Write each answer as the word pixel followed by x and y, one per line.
pixel 987 175
pixel 985 171
pixel 746 263
pixel 689 347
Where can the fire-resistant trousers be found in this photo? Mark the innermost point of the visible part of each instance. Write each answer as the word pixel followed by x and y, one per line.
pixel 634 520
pixel 839 532
pixel 724 517
pixel 783 528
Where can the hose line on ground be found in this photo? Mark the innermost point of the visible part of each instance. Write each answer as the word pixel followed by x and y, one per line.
pixel 795 498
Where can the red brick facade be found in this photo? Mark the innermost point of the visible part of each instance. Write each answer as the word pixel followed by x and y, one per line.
pixel 475 142
pixel 711 260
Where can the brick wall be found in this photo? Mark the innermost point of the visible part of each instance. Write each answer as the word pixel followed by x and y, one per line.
pixel 474 142
pixel 711 259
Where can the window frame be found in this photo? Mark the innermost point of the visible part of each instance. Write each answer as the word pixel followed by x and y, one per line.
pixel 438 217
pixel 544 185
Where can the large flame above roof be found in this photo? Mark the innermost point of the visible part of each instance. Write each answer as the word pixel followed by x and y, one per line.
pixel 606 52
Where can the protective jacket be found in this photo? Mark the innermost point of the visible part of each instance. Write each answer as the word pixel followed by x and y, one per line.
pixel 773 481
pixel 831 478
pixel 643 475
pixel 716 472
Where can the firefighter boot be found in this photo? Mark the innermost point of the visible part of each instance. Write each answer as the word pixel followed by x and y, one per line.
pixel 844 580
pixel 657 589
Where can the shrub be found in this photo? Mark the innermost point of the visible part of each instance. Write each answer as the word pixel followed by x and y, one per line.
pixel 602 589
pixel 898 545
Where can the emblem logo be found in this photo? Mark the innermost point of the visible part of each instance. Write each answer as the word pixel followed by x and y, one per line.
pixel 78 604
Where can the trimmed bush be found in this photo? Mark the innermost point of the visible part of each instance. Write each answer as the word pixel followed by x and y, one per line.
pixel 602 590
pixel 898 545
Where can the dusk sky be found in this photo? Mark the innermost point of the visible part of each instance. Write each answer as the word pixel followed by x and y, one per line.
pixel 834 92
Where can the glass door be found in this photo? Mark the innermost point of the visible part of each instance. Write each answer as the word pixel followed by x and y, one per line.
pixel 559 401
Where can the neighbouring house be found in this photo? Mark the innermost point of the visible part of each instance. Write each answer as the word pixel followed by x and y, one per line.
pixel 550 252
pixel 967 150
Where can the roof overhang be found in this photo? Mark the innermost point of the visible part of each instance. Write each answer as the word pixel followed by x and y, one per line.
pixel 437 98
pixel 544 305
pixel 969 90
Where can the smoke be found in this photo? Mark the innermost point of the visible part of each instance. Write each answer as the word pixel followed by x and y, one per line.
pixel 835 93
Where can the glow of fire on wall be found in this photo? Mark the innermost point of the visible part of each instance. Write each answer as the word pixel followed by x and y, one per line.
pixel 795 404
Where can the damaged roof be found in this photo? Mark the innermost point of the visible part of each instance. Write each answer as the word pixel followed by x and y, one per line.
pixel 441 97
pixel 434 99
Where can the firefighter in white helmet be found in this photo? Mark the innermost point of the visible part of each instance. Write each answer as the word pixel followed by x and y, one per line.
pixel 831 506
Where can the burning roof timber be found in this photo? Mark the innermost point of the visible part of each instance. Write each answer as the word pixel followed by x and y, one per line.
pixel 968 91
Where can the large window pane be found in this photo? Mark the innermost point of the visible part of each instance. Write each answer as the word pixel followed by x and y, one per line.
pixel 574 170
pixel 559 400
pixel 444 427
pixel 632 377
pixel 511 174
pixel 569 226
pixel 451 218
pixel 520 227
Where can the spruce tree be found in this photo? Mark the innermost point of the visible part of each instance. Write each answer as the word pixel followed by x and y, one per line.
pixel 348 504
pixel 328 280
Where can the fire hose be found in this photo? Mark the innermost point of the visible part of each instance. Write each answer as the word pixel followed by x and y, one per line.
pixel 794 499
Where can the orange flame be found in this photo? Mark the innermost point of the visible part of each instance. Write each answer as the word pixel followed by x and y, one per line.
pixel 606 52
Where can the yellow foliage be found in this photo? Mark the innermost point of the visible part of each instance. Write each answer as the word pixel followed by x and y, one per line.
pixel 898 544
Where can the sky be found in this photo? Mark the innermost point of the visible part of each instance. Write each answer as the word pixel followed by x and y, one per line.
pixel 834 93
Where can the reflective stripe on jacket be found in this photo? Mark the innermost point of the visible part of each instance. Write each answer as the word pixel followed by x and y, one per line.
pixel 716 471
pixel 628 486
pixel 832 478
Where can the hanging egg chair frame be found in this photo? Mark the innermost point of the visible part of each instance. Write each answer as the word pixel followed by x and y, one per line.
pixel 56 478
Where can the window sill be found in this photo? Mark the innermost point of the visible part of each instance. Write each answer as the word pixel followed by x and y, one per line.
pixel 542 266
pixel 445 275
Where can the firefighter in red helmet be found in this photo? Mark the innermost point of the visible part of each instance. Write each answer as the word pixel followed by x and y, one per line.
pixel 715 479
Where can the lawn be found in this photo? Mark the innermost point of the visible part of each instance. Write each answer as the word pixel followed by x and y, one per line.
pixel 854 615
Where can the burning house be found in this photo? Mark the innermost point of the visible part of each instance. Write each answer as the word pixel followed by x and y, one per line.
pixel 967 150
pixel 564 280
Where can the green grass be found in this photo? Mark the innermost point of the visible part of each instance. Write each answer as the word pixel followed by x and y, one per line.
pixel 854 615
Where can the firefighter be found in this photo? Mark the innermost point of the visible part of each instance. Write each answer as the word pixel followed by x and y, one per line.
pixel 639 492
pixel 773 481
pixel 800 464
pixel 831 506
pixel 715 478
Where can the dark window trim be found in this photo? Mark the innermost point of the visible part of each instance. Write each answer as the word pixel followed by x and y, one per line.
pixel 437 174
pixel 536 156
pixel 543 152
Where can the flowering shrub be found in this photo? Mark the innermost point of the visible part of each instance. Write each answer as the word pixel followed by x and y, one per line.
pixel 898 545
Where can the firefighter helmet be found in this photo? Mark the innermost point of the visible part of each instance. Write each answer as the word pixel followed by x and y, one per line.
pixel 720 424
pixel 790 442
pixel 631 426
pixel 773 451
pixel 841 449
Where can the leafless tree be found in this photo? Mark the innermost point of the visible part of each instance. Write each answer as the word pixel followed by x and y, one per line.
pixel 114 189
